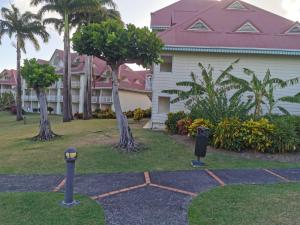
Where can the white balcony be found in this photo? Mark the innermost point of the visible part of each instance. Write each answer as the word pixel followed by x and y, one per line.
pixel 52 98
pixel 30 98
pixel 75 98
pixel 95 99
pixel 105 100
pixel 6 91
pixel 75 84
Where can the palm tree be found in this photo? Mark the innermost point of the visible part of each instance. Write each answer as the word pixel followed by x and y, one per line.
pixel 259 89
pixel 65 8
pixel 79 19
pixel 23 27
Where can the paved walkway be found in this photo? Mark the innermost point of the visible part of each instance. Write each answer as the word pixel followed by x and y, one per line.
pixel 156 198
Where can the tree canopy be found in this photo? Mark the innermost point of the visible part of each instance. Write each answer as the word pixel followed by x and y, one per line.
pixel 118 44
pixel 38 76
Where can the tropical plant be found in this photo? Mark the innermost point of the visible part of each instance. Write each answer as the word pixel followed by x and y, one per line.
pixel 106 9
pixel 258 90
pixel 183 126
pixel 65 9
pixel 198 88
pixel 219 108
pixel 199 123
pixel 24 27
pixel 40 77
pixel 116 44
pixel 138 114
pixel 291 99
pixel 7 100
pixel 173 118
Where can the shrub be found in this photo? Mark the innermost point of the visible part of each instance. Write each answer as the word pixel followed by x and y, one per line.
pixel 78 116
pixel 7 100
pixel 13 110
pixel 235 135
pixel 258 135
pixel 227 135
pixel 183 126
pixel 50 109
pixel 104 114
pixel 147 113
pixel 172 120
pixel 199 123
pixel 287 134
pixel 138 114
pixel 129 114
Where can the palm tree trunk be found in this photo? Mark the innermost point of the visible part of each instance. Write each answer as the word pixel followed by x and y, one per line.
pixel 19 84
pixel 85 89
pixel 45 133
pixel 66 105
pixel 89 87
pixel 70 80
pixel 126 141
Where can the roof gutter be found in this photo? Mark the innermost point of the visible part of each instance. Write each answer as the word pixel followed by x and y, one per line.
pixel 261 51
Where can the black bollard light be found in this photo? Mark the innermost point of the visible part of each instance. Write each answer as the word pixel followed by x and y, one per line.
pixel 70 157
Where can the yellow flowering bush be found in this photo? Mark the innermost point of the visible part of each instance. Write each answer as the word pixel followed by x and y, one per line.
pixel 138 114
pixel 227 135
pixel 258 135
pixel 235 135
pixel 199 123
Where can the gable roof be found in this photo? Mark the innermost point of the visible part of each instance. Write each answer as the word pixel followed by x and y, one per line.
pixel 271 39
pixel 12 74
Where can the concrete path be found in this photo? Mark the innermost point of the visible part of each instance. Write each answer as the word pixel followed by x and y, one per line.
pixel 156 198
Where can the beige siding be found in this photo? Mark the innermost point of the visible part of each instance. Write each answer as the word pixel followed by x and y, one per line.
pixel 184 63
pixel 132 100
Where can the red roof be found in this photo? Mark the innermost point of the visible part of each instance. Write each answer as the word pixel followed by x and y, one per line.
pixel 223 22
pixel 12 74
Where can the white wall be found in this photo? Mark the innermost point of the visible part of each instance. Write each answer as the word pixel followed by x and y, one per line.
pixel 132 100
pixel 284 67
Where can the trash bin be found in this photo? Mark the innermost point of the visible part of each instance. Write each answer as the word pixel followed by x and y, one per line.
pixel 202 139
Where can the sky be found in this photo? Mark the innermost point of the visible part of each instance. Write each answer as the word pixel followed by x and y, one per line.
pixel 132 11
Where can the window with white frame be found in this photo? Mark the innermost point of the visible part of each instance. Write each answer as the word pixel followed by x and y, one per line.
pixel 295 29
pixel 163 105
pixel 167 64
pixel 237 5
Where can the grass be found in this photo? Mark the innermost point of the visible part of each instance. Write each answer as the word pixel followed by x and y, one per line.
pixel 248 205
pixel 94 140
pixel 44 208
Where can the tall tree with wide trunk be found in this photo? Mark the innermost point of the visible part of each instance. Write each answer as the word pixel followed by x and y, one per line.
pixel 116 44
pixel 65 8
pixel 40 77
pixel 23 27
pixel 105 10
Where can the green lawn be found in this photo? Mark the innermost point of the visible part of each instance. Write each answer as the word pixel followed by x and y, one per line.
pixel 94 140
pixel 248 205
pixel 44 208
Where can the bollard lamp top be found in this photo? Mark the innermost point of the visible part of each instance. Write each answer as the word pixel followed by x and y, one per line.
pixel 71 155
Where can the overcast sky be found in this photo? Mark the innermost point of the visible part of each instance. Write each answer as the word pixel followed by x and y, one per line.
pixel 132 11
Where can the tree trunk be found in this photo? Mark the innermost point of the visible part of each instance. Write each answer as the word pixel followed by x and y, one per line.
pixel 89 87
pixel 126 142
pixel 19 84
pixel 85 89
pixel 70 81
pixel 66 105
pixel 45 133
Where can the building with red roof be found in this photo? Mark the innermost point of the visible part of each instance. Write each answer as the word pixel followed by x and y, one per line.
pixel 135 86
pixel 8 81
pixel 217 33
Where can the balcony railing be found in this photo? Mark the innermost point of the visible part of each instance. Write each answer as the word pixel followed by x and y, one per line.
pixel 52 98
pixel 6 90
pixel 105 100
pixel 75 84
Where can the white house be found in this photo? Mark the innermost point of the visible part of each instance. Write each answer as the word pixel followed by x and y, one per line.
pixel 217 33
pixel 8 80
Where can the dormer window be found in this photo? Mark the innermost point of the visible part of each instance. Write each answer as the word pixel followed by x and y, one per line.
pixel 199 26
pixel 295 29
pixel 237 5
pixel 247 28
